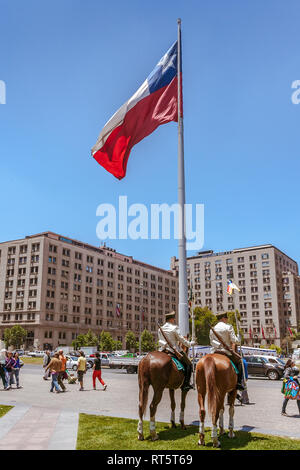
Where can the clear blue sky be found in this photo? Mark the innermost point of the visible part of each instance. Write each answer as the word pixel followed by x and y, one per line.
pixel 69 64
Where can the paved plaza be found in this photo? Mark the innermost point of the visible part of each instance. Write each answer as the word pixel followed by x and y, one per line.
pixel 44 420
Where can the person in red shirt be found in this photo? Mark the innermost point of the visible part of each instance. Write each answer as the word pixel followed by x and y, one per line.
pixel 97 372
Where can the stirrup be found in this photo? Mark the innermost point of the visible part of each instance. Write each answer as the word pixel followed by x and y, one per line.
pixel 187 387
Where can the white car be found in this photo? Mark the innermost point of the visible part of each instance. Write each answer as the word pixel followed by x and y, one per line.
pixel 36 354
pixel 72 363
pixel 296 357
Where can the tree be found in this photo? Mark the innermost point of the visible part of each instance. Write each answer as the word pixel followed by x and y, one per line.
pixel 117 345
pixel 147 341
pixel 91 339
pixel 287 343
pixel 106 341
pixel 204 318
pixel 15 336
pixel 131 342
pixel 79 342
pixel 277 348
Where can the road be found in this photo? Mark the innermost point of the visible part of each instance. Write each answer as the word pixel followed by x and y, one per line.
pixel 121 399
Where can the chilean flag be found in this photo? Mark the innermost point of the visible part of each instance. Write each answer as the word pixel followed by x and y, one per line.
pixel 154 103
pixel 118 312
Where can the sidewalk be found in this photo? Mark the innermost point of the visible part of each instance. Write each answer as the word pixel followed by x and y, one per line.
pixel 37 428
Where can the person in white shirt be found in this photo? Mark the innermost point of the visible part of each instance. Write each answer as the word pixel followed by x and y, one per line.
pixel 228 336
pixel 175 338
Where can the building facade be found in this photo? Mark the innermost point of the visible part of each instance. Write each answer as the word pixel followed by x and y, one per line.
pixel 57 288
pixel 269 297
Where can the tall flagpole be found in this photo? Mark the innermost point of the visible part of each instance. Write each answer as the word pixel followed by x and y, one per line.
pixel 183 291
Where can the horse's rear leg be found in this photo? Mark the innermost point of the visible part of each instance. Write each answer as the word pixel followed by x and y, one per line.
pixel 201 401
pixel 153 407
pixel 215 416
pixel 173 406
pixel 143 396
pixel 221 422
pixel 182 408
pixel 231 400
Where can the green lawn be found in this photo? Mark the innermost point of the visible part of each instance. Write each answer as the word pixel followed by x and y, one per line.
pixel 32 360
pixel 4 409
pixel 106 433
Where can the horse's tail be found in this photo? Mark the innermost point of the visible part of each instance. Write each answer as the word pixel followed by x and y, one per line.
pixel 211 384
pixel 143 387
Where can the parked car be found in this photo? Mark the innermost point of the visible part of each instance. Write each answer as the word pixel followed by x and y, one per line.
pixel 21 352
pixel 296 357
pixel 103 356
pixel 36 354
pixel 265 366
pixel 72 362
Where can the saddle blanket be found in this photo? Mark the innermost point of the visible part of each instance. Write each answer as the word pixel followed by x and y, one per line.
pixel 235 368
pixel 178 364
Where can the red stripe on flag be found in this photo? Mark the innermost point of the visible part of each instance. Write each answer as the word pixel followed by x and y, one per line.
pixel 158 108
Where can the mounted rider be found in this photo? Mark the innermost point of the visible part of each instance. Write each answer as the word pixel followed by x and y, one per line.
pixel 169 341
pixel 227 336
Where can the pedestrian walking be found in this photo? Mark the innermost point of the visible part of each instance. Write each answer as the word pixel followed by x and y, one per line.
pixel 54 366
pixel 62 373
pixel 46 361
pixel 9 365
pixel 16 369
pixel 2 368
pixel 290 373
pixel 97 372
pixel 81 369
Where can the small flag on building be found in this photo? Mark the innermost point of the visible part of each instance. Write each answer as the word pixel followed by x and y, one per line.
pixel 118 312
pixel 289 328
pixel 262 332
pixel 250 332
pixel 231 286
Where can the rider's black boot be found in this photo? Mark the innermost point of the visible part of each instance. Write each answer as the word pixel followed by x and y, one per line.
pixel 186 384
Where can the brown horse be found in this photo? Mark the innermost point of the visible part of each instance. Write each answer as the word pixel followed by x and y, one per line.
pixel 158 369
pixel 215 376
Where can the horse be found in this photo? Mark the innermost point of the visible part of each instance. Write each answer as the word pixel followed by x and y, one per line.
pixel 159 370
pixel 215 376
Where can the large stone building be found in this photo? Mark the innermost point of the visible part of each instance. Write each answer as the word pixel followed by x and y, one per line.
pixel 269 297
pixel 57 287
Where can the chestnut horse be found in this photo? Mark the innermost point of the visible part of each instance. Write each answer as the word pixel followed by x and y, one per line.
pixel 215 376
pixel 158 369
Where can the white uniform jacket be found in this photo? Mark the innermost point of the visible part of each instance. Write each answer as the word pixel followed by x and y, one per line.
pixel 226 332
pixel 173 334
